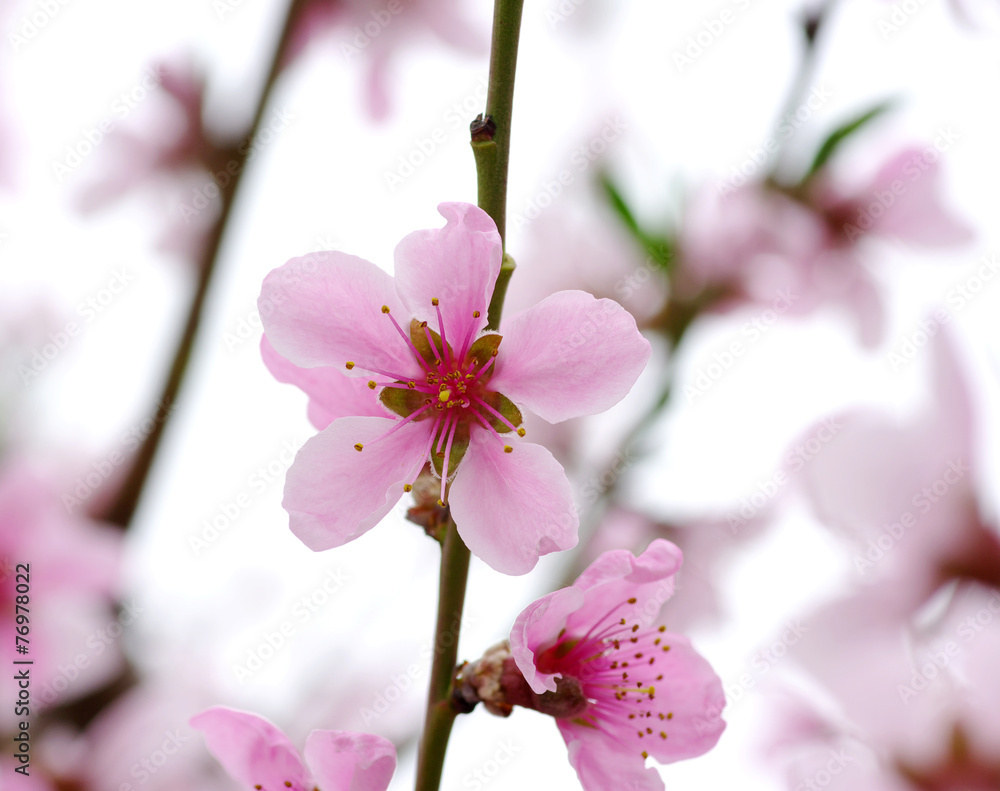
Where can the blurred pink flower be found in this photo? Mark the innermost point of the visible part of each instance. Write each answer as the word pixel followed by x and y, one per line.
pixel 376 30
pixel 68 568
pixel 757 246
pixel 916 695
pixel 791 253
pixel 901 201
pixel 260 756
pixel 580 246
pixel 167 139
pixel 645 691
pixel 441 387
pixel 905 491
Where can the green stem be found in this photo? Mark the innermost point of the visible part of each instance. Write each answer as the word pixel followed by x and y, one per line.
pixel 491 147
pixel 812 28
pixel 121 511
pixel 440 714
pixel 492 150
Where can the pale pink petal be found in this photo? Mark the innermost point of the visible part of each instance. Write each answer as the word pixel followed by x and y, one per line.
pixel 457 264
pixel 603 591
pixel 344 761
pixel 325 309
pixel 619 575
pixel 333 493
pixel 602 763
pixel 251 749
pixel 570 355
pixel 331 394
pixel 906 191
pixel 537 627
pixel 511 508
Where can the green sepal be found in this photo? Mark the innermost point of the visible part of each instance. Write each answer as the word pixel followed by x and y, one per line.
pixel 459 445
pixel 402 402
pixel 484 351
pixel 419 338
pixel 505 407
pixel 833 141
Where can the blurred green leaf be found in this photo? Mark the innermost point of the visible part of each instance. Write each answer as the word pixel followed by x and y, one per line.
pixel 841 133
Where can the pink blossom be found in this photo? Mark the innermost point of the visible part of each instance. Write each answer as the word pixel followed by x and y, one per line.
pixel 70 568
pixel 901 201
pixel 903 491
pixel 376 30
pixel 916 695
pixel 757 246
pixel 647 691
pixel 439 389
pixel 261 757
pixel 791 250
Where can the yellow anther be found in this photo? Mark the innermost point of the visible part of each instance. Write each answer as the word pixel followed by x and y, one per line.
pixel 359 447
pixel 645 754
pixel 521 432
pixel 444 395
pixel 411 385
pixel 441 502
pixel 508 449
pixel 372 384
pixel 434 301
pixel 349 365
pixel 476 314
pixel 385 308
pixel 407 487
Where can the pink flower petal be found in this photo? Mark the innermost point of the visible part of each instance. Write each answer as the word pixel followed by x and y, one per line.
pixel 536 626
pixel 331 394
pixel 344 761
pixel 325 309
pixel 908 187
pixel 602 590
pixel 251 749
pixel 604 764
pixel 511 508
pixel 570 355
pixel 333 493
pixel 457 264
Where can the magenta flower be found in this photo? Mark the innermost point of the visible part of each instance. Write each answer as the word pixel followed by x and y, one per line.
pixel 261 757
pixel 439 389
pixel 647 692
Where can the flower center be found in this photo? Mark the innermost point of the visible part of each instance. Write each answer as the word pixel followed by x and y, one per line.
pixel 452 391
pixel 616 662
